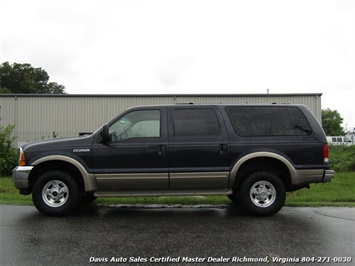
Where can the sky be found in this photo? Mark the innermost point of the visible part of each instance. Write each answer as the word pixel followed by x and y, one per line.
pixel 183 47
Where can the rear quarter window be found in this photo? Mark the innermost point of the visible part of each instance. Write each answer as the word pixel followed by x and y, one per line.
pixel 268 121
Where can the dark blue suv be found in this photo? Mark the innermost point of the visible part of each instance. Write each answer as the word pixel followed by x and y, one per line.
pixel 253 154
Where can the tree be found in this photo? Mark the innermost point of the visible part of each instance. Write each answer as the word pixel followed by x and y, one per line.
pixel 331 121
pixel 23 78
pixel 8 155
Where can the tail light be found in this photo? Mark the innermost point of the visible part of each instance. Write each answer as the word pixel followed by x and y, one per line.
pixel 326 153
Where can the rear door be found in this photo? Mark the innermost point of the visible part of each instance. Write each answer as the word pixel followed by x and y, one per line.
pixel 198 148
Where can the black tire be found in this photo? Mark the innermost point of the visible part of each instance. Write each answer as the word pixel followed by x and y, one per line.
pixel 262 193
pixel 87 198
pixel 234 198
pixel 55 193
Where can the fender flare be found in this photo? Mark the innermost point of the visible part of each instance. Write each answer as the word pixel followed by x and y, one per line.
pixel 88 179
pixel 241 161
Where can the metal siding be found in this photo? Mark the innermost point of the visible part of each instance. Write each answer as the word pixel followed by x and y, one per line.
pixel 7 110
pixel 38 116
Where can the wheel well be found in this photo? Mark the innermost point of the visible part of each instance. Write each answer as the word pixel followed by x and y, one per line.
pixel 263 164
pixel 38 170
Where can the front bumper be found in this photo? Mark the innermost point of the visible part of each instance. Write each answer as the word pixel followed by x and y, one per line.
pixel 20 176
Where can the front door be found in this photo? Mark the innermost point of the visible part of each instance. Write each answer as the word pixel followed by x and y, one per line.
pixel 135 158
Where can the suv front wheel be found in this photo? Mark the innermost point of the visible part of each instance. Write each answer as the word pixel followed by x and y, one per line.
pixel 262 193
pixel 55 193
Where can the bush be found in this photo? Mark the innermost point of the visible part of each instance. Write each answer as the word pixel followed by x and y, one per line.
pixel 8 155
pixel 342 158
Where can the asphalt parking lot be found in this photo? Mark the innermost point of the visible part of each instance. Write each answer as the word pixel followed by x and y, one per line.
pixel 161 235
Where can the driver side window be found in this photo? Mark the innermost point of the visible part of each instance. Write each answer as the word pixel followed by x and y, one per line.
pixel 136 124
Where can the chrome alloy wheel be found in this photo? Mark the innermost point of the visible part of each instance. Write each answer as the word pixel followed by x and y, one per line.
pixel 262 194
pixel 55 193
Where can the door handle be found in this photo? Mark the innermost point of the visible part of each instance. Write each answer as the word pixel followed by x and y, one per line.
pixel 224 148
pixel 161 150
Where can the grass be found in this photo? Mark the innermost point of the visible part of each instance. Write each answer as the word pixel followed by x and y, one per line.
pixel 10 195
pixel 339 192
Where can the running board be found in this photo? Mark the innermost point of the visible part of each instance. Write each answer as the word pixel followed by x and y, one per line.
pixel 106 193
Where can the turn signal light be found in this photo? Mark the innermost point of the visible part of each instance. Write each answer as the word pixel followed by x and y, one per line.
pixel 22 160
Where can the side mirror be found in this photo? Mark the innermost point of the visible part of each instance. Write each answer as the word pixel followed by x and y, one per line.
pixel 105 134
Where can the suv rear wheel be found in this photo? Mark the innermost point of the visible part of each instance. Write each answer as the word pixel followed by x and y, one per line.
pixel 262 193
pixel 55 193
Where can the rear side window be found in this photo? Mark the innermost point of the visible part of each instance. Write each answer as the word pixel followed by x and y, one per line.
pixel 268 121
pixel 195 122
